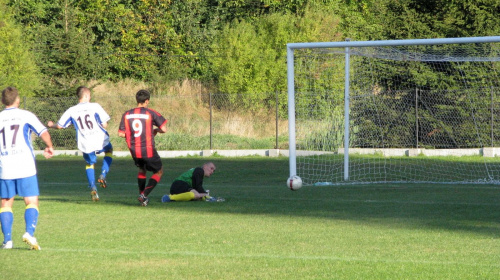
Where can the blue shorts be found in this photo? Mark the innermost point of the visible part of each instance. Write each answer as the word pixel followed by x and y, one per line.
pixel 23 187
pixel 91 158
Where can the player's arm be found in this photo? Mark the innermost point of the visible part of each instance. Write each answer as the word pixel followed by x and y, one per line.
pixel 198 181
pixel 52 124
pixel 65 119
pixel 160 122
pixel 49 149
pixel 121 130
pixel 161 129
pixel 104 125
pixel 121 127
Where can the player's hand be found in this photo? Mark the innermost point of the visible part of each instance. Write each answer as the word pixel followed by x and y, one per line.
pixel 50 123
pixel 48 152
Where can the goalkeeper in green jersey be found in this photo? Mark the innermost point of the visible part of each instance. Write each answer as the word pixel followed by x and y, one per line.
pixel 189 185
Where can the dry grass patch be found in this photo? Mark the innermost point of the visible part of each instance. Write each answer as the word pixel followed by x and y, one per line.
pixel 187 109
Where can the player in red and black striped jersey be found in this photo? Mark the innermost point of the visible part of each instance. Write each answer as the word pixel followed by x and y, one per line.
pixel 139 126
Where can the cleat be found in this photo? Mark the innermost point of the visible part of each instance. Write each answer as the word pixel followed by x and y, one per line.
pixel 102 181
pixel 94 195
pixel 8 245
pixel 165 198
pixel 31 241
pixel 143 200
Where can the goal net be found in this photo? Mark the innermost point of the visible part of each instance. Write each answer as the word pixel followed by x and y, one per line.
pixel 404 111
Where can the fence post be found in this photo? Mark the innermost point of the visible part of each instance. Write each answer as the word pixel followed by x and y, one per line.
pixel 491 124
pixel 211 146
pixel 416 117
pixel 277 144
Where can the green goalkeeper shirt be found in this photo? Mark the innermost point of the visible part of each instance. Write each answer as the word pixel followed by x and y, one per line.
pixel 194 178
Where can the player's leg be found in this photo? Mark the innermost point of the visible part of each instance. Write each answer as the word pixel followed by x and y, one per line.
pixel 141 175
pixel 31 214
pixel 154 165
pixel 31 219
pixel 185 196
pixel 153 181
pixel 106 164
pixel 141 180
pixel 28 188
pixel 179 191
pixel 7 191
pixel 91 159
pixel 7 219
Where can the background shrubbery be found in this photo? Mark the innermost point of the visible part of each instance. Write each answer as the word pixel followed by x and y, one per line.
pixel 236 48
pixel 229 46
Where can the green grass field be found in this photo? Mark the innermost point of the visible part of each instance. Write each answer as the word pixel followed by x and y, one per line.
pixel 262 230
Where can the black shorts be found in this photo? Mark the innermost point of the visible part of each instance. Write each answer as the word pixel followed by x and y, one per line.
pixel 179 186
pixel 152 164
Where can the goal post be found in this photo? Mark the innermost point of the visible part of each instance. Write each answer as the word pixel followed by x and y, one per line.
pixel 359 111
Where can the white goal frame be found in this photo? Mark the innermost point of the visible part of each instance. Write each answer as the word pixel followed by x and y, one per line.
pixel 346 45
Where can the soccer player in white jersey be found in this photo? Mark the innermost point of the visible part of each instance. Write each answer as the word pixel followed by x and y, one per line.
pixel 17 166
pixel 90 122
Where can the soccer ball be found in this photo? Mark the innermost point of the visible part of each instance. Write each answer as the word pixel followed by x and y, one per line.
pixel 294 183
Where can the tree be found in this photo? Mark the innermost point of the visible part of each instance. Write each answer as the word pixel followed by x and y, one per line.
pixel 249 57
pixel 16 62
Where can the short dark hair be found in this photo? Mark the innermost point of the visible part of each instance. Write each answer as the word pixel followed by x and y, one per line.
pixel 142 95
pixel 9 96
pixel 80 91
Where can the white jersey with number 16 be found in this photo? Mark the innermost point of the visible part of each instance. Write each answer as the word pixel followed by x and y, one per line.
pixel 87 119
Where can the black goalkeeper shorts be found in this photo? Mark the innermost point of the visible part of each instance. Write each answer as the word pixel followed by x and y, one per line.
pixel 179 186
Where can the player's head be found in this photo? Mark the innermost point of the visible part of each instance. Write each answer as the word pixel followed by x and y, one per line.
pixel 208 168
pixel 142 95
pixel 82 91
pixel 9 96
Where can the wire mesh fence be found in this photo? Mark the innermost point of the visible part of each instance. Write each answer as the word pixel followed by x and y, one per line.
pixel 195 122
pixel 216 121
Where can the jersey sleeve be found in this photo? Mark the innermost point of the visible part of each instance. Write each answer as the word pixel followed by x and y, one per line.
pixel 65 119
pixel 158 119
pixel 35 124
pixel 121 127
pixel 102 115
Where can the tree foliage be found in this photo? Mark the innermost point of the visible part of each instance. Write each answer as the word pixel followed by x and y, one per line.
pixel 238 46
pixel 16 61
pixel 250 57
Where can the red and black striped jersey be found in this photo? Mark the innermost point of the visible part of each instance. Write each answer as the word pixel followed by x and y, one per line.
pixel 138 126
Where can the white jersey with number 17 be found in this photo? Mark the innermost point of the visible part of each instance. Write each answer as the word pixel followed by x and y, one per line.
pixel 87 119
pixel 17 159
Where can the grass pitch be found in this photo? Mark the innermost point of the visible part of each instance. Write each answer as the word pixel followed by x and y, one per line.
pixel 262 230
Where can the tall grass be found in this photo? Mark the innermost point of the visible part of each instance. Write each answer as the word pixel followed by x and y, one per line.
pixel 262 231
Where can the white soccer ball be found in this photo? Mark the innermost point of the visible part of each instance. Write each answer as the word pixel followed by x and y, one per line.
pixel 294 183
